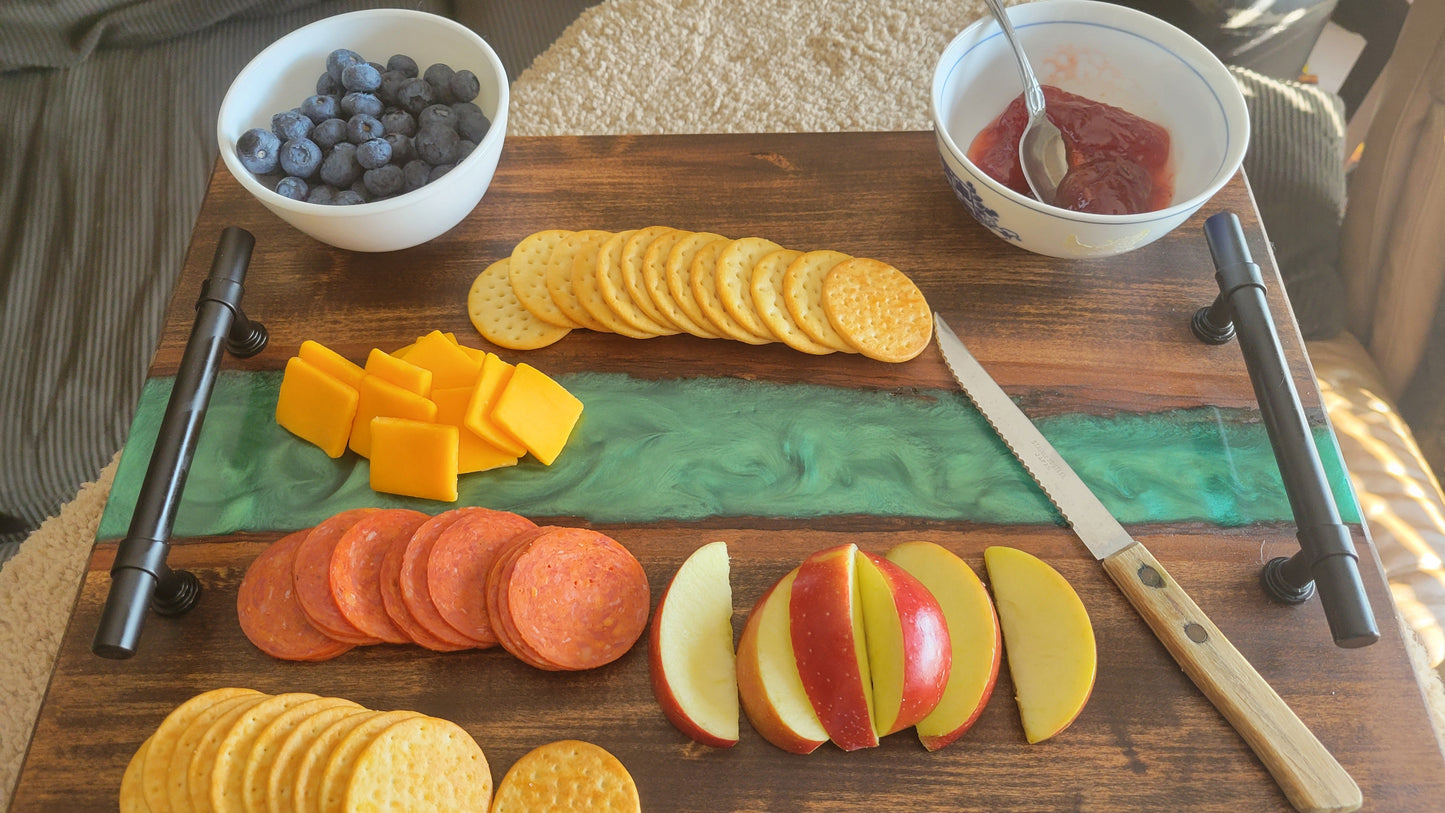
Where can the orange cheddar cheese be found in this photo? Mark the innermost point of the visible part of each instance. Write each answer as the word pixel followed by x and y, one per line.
pixel 473 453
pixel 331 362
pixel 400 372
pixel 495 375
pixel 378 397
pixel 414 458
pixel 449 364
pixel 537 411
pixel 316 407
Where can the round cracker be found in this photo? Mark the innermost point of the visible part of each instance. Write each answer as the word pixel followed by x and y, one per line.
pixel 734 282
pixel 227 787
pixel 679 276
pixel 703 278
pixel 498 315
pixel 877 309
pixel 654 279
pixel 156 771
pixel 281 780
pixel 342 763
pixel 564 776
pixel 527 271
pixel 614 291
pixel 203 760
pixel 421 763
pixel 309 771
pixel 577 247
pixel 589 292
pixel 267 746
pixel 803 296
pixel 766 286
pixel 634 252
pixel 132 797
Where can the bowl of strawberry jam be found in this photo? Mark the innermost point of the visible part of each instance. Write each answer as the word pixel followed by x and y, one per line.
pixel 1153 126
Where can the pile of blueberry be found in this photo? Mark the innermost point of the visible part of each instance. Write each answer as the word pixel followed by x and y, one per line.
pixel 370 132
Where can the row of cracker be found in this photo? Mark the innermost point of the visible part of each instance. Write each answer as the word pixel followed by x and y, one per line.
pixel 236 750
pixel 659 281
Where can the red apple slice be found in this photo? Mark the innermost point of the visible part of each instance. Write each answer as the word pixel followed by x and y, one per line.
pixel 830 647
pixel 690 652
pixel 974 638
pixel 1048 637
pixel 768 681
pixel 908 644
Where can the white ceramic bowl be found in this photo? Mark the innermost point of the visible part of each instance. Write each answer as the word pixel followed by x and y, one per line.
pixel 1110 54
pixel 286 72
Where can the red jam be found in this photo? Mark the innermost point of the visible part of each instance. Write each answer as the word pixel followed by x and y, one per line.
pixel 1118 162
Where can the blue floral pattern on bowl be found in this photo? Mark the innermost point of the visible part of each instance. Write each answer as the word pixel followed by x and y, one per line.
pixel 988 217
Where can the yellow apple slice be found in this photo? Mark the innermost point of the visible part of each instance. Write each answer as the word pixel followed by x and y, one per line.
pixel 908 644
pixel 768 682
pixel 1048 638
pixel 973 633
pixel 690 653
pixel 830 646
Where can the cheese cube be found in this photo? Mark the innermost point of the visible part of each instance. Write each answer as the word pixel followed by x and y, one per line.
pixel 400 372
pixel 473 453
pixel 315 406
pixel 495 375
pixel 331 362
pixel 537 411
pixel 379 397
pixel 414 458
pixel 449 364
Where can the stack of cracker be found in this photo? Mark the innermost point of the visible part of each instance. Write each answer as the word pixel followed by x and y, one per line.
pixel 660 281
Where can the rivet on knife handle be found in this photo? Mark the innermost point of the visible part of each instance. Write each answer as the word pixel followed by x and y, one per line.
pixel 1308 774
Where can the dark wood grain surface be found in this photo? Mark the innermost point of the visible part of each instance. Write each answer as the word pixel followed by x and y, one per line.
pixel 1089 336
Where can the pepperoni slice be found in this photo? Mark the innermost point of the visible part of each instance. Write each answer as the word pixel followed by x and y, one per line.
pixel 416 592
pixel 270 615
pixel 395 605
pixel 498 609
pixel 578 598
pixel 456 569
pixel 355 570
pixel 312 571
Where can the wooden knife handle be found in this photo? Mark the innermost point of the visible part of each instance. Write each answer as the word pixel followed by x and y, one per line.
pixel 1308 774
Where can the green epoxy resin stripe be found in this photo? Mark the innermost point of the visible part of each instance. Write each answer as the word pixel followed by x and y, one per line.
pixel 688 449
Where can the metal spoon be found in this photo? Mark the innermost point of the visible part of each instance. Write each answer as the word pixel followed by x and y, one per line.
pixel 1041 147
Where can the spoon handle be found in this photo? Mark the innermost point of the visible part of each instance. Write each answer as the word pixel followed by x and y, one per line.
pixel 1033 93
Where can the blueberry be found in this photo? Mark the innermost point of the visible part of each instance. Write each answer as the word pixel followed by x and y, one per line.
pixel 403 64
pixel 291 125
pixel 338 60
pixel 339 168
pixel 379 68
pixel 464 86
pixel 329 132
pixel 473 127
pixel 399 122
pixel 437 114
pixel 300 157
pixel 385 181
pixel 292 187
pixel 360 78
pixel 319 108
pixel 391 82
pixel 415 95
pixel 436 145
pixel 466 109
pixel 439 76
pixel 438 171
pixel 321 194
pixel 374 153
pixel 358 102
pixel 360 189
pixel 416 173
pixel 347 197
pixel 361 127
pixel 402 150
pixel 327 86
pixel 464 148
pixel 259 150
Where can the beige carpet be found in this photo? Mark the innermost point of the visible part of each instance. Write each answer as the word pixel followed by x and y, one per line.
pixel 625 66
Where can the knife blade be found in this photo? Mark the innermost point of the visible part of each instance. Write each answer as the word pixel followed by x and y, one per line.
pixel 1311 778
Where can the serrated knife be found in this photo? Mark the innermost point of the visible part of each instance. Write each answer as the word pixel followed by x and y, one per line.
pixel 1308 774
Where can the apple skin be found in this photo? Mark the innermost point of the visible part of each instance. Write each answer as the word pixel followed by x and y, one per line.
pixel 673 707
pixel 975 635
pixel 926 653
pixel 827 632
pixel 764 658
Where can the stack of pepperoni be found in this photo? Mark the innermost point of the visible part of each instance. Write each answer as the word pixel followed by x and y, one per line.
pixel 557 598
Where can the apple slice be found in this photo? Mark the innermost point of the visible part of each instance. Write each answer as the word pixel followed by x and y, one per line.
pixel 829 644
pixel 690 652
pixel 908 643
pixel 1048 637
pixel 974 638
pixel 768 681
